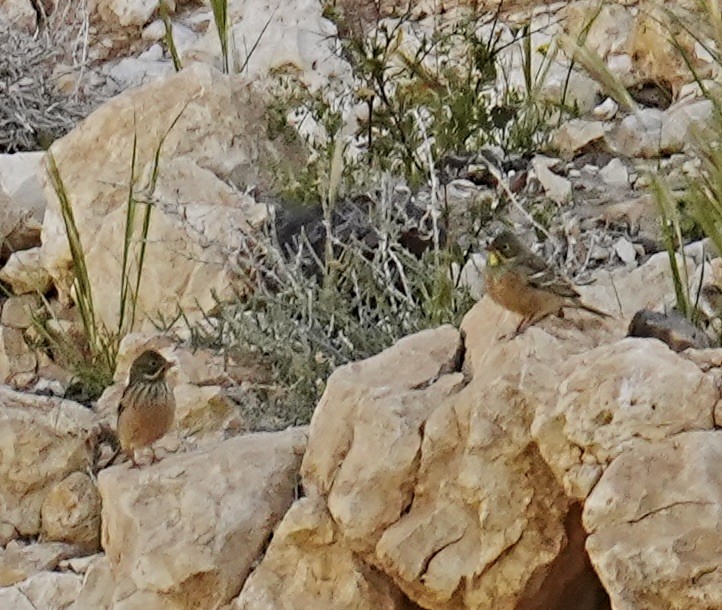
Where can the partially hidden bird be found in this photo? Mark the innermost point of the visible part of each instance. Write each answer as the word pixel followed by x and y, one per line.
pixel 522 282
pixel 147 407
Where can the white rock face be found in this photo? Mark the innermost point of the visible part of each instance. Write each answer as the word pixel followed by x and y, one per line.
pixel 197 217
pixel 282 33
pixel 646 394
pixel 682 121
pixel 654 521
pixel 186 531
pixel 306 543
pixel 25 272
pixel 472 498
pixel 125 12
pixel 577 133
pixel 556 187
pixel 22 203
pixel 42 441
pixel 17 361
pixel 20 14
pixel 17 311
pixel 46 590
pixel 71 512
pixel 638 135
pixel 615 173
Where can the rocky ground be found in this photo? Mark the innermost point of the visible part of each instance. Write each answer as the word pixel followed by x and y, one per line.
pixel 571 467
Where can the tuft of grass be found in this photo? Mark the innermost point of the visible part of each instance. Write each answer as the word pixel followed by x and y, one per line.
pixel 92 356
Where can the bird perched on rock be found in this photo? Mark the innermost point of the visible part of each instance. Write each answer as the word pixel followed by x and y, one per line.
pixel 520 281
pixel 146 410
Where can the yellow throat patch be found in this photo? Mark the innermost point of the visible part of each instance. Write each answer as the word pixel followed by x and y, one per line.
pixel 493 259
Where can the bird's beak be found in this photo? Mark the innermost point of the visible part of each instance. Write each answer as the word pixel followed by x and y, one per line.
pixel 167 364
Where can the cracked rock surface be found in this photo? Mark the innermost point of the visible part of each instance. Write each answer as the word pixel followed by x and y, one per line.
pixel 461 470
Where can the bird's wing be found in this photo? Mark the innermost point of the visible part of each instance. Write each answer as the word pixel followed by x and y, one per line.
pixel 123 400
pixel 540 276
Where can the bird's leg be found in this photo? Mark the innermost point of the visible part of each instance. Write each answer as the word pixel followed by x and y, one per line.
pixel 133 460
pixel 153 458
pixel 521 327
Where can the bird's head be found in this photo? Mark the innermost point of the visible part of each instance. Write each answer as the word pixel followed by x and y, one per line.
pixel 149 366
pixel 503 248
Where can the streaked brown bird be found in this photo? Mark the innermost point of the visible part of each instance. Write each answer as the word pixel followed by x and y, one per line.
pixel 146 410
pixel 520 281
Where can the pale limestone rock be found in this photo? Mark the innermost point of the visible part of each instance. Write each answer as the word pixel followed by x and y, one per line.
pixel 683 120
pixel 615 174
pixel 353 421
pixel 25 272
pixel 19 561
pixel 306 542
pixel 606 110
pixel 22 203
pixel 200 367
pixel 647 393
pixel 419 511
pixel 423 358
pixel 154 31
pixel 185 532
pixel 472 276
pixel 42 440
pixel 639 134
pixel 197 217
pixel 661 48
pixel 295 35
pixel 606 33
pixel 124 13
pixel 467 500
pixel 654 521
pixel 638 46
pixel 17 311
pixel 71 512
pixel 18 229
pixel 19 179
pixel 79 565
pixel 17 361
pixel 201 409
pixel 20 14
pixel 625 250
pixel 556 187
pixel 136 71
pixel 46 591
pixel 646 287
pixel 576 134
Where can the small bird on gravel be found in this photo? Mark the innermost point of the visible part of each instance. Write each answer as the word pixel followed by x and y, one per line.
pixel 520 281
pixel 146 410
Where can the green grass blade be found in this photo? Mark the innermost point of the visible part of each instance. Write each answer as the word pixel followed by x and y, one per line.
pixel 220 16
pixel 168 37
pixel 128 235
pixel 83 289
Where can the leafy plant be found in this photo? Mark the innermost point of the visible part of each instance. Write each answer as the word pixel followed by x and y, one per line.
pixel 319 302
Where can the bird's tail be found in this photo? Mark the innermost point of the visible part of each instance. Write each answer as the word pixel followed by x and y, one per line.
pixel 594 310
